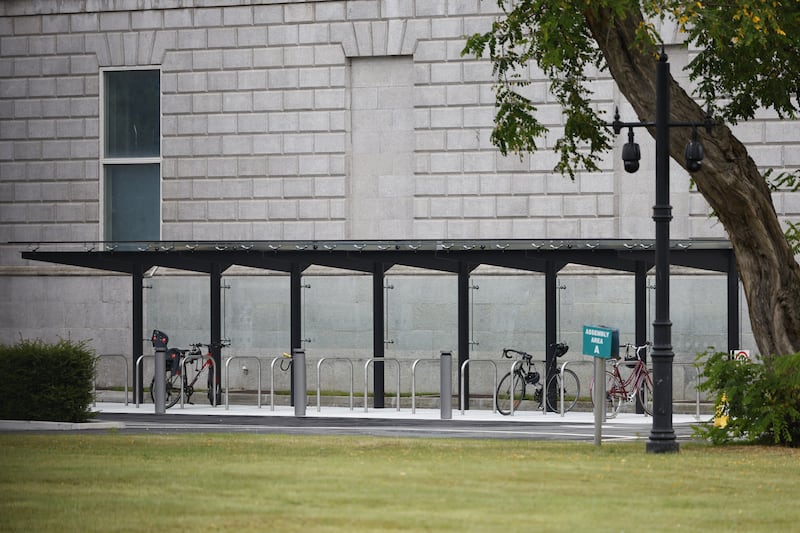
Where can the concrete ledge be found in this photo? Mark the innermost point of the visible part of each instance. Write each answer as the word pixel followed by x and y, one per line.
pixel 36 425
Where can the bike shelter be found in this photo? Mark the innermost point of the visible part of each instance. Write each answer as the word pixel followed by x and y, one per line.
pixel 458 257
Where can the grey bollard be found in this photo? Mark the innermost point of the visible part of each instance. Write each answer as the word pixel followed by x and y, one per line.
pixel 160 382
pixel 299 393
pixel 446 385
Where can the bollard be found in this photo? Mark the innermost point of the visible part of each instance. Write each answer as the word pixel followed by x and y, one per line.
pixel 299 382
pixel 160 382
pixel 446 385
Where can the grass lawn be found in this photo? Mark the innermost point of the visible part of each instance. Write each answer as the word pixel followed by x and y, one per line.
pixel 237 482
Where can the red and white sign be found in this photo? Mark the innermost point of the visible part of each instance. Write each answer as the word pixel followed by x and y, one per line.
pixel 741 355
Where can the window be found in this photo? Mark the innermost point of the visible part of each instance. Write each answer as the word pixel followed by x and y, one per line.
pixel 132 155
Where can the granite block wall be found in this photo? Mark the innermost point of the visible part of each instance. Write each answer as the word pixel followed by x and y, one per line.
pixel 308 119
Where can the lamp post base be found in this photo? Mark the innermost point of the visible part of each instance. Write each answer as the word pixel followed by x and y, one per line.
pixel 667 446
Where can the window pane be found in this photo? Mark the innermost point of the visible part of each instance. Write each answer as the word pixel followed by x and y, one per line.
pixel 132 113
pixel 133 199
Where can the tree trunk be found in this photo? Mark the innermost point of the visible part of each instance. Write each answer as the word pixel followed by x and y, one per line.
pixel 729 181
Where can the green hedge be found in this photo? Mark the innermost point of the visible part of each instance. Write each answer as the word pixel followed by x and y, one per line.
pixel 42 381
pixel 761 399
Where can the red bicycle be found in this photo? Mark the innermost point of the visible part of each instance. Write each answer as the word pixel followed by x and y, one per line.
pixel 638 385
pixel 176 373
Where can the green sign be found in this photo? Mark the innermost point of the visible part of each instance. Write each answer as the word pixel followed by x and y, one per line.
pixel 600 341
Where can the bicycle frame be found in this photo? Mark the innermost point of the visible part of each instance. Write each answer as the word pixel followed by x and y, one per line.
pixel 525 369
pixel 187 389
pixel 629 388
pixel 523 373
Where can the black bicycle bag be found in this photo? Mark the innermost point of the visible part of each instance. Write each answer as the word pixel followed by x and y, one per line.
pixel 173 362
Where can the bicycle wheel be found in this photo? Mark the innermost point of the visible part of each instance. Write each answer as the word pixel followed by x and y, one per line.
pixel 504 397
pixel 572 390
pixel 614 395
pixel 645 394
pixel 172 390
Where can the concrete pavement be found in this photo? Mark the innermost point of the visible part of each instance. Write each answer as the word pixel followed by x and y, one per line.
pixel 473 423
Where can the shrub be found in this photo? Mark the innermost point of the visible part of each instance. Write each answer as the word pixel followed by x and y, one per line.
pixel 44 381
pixel 762 401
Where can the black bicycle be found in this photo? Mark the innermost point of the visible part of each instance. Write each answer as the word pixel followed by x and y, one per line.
pixel 515 383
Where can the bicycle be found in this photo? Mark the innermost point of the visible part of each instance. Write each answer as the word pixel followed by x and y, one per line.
pixel 176 375
pixel 638 384
pixel 524 374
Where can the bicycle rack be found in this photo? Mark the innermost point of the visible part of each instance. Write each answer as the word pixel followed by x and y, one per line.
pixel 561 388
pixel 545 378
pixel 94 381
pixel 413 383
pixel 319 393
pixel 211 369
pixel 650 370
pixel 511 386
pixel 139 378
pixel 227 378
pixel 494 386
pixel 272 380
pixel 696 387
pixel 366 379
pixel 138 385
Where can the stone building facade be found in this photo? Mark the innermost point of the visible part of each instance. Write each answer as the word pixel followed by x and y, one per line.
pixel 300 120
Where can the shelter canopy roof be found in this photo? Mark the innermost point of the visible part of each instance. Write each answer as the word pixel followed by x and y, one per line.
pixel 448 255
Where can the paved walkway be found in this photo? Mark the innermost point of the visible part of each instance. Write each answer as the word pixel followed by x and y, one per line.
pixel 144 417
pixel 386 413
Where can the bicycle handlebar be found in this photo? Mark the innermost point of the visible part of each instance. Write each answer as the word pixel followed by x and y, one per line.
pixel 209 346
pixel 559 349
pixel 636 350
pixel 507 351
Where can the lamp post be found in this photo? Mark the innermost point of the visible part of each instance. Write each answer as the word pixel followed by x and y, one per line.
pixel 662 436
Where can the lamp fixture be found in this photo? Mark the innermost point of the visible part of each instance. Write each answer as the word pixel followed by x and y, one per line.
pixel 631 154
pixel 694 153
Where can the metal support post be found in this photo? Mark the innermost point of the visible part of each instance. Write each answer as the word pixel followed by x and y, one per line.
pixel 137 325
pixel 640 319
pixel 733 304
pixel 551 332
pixel 464 271
pixel 378 335
pixel 215 300
pixel 295 314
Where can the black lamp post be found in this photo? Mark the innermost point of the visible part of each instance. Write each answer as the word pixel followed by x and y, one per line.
pixel 662 436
